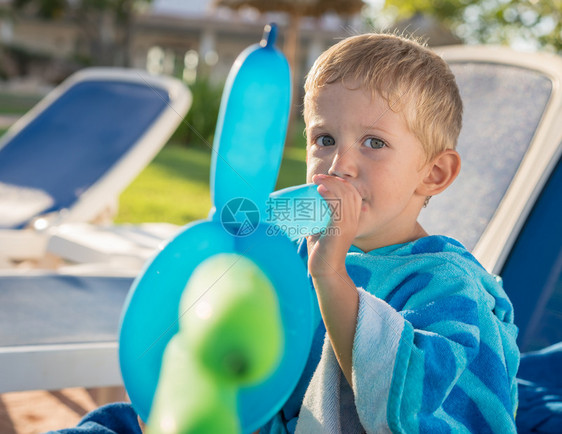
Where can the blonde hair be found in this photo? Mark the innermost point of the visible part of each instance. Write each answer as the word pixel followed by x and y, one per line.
pixel 412 78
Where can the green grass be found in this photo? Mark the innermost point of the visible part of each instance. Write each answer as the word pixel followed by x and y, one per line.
pixel 16 104
pixel 174 188
pixel 293 168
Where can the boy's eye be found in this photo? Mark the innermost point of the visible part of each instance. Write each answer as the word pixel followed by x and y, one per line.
pixel 325 141
pixel 374 143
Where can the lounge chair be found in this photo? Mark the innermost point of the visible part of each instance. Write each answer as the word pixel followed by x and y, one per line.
pixel 64 163
pixel 69 158
pixel 58 330
pixel 505 204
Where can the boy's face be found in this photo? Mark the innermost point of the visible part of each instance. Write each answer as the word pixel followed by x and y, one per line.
pixel 357 137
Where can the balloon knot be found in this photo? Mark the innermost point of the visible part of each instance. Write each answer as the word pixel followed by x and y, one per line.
pixel 269 35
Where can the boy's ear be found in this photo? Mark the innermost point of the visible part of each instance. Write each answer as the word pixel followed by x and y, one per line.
pixel 442 171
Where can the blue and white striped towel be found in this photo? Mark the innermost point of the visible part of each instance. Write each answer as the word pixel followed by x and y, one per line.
pixel 434 349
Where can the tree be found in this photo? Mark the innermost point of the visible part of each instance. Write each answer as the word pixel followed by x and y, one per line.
pixel 47 9
pixel 532 23
pixel 105 25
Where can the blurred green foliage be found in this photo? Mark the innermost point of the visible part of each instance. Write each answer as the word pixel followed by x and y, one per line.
pixel 48 9
pixel 198 127
pixel 528 23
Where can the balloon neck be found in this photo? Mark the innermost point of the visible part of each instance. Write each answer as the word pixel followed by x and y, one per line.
pixel 269 35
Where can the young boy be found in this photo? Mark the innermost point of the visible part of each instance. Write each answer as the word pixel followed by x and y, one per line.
pixel 418 336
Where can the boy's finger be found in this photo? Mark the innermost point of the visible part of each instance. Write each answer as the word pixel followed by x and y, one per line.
pixel 320 177
pixel 323 190
pixel 332 180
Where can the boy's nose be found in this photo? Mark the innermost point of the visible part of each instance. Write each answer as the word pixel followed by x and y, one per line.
pixel 343 164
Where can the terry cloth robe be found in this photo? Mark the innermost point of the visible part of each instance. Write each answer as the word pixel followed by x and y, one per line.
pixel 434 349
pixel 115 418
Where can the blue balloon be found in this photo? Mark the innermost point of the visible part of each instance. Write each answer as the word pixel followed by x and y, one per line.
pixel 252 125
pixel 246 157
pixel 151 314
pixel 298 211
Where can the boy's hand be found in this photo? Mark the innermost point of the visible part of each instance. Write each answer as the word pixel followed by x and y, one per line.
pixel 327 252
pixel 337 295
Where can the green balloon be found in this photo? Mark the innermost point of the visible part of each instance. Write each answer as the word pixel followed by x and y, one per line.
pixel 230 335
pixel 188 400
pixel 230 317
